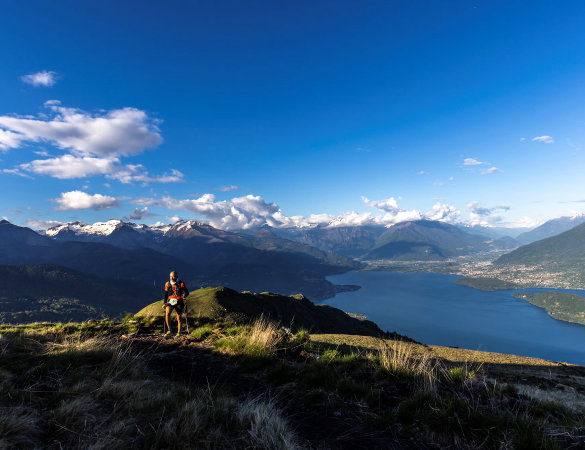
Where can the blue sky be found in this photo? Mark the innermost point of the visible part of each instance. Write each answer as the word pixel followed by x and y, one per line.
pixel 288 113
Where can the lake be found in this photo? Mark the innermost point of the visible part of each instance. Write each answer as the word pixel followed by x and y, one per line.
pixel 433 309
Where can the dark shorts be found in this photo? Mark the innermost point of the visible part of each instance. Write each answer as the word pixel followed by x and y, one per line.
pixel 179 307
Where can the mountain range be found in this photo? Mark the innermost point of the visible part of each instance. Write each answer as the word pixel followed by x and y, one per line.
pixel 200 253
pixel 406 241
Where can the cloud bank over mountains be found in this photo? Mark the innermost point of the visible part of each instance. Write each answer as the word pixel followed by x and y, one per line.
pixel 252 211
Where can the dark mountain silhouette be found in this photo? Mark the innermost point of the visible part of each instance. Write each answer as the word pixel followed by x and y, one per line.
pixel 55 293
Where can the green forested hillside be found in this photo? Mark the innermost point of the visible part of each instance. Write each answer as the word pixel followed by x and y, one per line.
pixel 559 305
pixel 564 251
pixel 49 292
pixel 486 284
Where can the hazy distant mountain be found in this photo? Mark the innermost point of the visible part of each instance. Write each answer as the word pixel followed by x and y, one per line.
pixel 423 240
pixel 348 241
pixel 551 228
pixel 432 241
pixel 493 232
pixel 565 250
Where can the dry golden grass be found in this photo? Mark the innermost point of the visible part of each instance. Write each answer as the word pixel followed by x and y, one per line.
pixel 399 358
pixel 264 333
pixel 455 355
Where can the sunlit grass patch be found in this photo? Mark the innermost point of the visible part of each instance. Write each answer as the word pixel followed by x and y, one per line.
pixel 261 340
pixel 458 375
pixel 398 358
pixel 202 332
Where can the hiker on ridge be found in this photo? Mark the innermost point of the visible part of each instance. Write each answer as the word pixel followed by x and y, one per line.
pixel 175 298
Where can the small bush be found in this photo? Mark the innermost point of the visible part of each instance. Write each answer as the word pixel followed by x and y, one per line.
pixel 202 332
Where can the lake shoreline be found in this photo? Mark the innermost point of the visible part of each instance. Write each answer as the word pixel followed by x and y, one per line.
pixel 434 309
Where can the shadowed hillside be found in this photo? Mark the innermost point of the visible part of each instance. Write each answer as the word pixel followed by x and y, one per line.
pixel 217 303
pixel 49 292
pixel 231 384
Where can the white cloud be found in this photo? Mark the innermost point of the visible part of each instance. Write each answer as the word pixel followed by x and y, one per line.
pixel 15 172
pixel 473 162
pixel 42 224
pixel 137 173
pixel 490 171
pixel 68 166
pixel 139 214
pixel 45 78
pixel 422 172
pixel 389 205
pixel 119 132
pixel 485 215
pixel 172 219
pixel 81 200
pixel 524 222
pixel 229 188
pixel 9 140
pixel 444 213
pixel 543 139
pixel 253 211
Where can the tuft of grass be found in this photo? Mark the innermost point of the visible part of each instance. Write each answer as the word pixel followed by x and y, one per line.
pixel 19 427
pixel 330 355
pixel 202 332
pixel 456 376
pixel 261 342
pixel 399 359
pixel 302 336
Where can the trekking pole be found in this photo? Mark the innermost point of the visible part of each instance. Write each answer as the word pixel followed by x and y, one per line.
pixel 164 321
pixel 187 318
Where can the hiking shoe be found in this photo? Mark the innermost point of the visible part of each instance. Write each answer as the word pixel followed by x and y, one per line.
pixel 178 333
pixel 168 332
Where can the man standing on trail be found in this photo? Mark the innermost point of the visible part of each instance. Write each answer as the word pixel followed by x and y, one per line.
pixel 175 298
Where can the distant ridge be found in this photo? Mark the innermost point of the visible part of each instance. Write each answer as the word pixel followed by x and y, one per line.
pixel 425 240
pixel 565 251
pixel 551 228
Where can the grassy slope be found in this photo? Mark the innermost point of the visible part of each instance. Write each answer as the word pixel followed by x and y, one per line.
pixel 99 384
pixel 295 312
pixel 559 305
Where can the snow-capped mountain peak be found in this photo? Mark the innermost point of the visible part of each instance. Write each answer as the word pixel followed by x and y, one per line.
pixel 96 229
